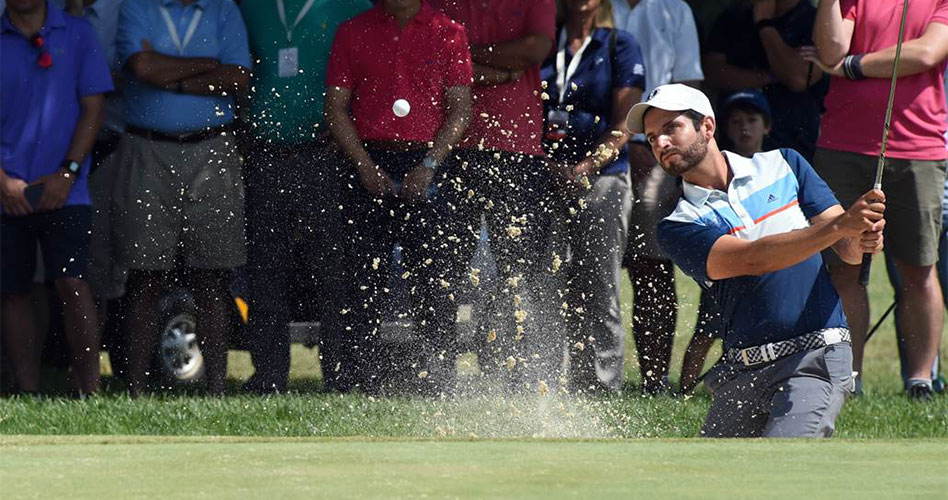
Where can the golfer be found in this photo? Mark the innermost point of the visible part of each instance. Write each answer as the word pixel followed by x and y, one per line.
pixel 750 232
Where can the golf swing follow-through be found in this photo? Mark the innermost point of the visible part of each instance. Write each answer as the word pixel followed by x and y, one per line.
pixel 750 232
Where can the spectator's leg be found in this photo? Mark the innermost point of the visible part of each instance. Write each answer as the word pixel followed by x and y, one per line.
pixel 942 265
pixel 597 237
pixel 707 327
pixel 213 301
pixel 144 290
pixel 920 317
pixel 520 188
pixel 855 305
pixel 358 275
pixel 79 318
pixel 20 340
pixel 269 212
pixel 654 315
pixel 693 363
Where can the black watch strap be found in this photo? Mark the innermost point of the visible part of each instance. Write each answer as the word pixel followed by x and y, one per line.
pixel 71 166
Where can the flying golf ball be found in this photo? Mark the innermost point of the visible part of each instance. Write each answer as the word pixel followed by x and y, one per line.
pixel 401 108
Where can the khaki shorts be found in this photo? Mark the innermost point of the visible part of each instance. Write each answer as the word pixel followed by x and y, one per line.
pixel 913 191
pixel 180 201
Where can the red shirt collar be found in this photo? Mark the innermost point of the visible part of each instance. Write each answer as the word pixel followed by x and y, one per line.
pixel 423 15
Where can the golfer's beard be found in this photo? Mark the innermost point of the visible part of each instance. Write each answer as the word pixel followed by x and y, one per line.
pixel 688 158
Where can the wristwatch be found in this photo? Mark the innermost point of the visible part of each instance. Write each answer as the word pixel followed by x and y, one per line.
pixel 431 163
pixel 70 166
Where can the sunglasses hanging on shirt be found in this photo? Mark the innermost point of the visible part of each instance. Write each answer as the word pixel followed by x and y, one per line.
pixel 45 59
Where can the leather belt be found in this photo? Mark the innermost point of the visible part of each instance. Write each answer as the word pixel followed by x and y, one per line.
pixel 199 136
pixel 766 353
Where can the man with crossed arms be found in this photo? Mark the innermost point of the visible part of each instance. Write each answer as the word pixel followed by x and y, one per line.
pixel 750 231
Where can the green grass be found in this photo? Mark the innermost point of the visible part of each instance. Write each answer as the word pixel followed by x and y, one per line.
pixel 883 413
pixel 310 444
pixel 190 468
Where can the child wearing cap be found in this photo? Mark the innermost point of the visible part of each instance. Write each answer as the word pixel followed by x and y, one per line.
pixel 747 121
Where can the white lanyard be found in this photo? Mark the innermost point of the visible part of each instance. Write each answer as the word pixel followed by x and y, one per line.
pixel 173 31
pixel 563 73
pixel 281 10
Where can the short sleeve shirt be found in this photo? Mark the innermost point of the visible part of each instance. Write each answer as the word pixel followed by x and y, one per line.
pixel 772 193
pixel 918 113
pixel 381 63
pixel 288 109
pixel 41 106
pixel 796 115
pixel 103 15
pixel 665 30
pixel 598 73
pixel 506 117
pixel 220 34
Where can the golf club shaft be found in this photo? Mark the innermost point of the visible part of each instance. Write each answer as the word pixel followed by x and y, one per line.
pixel 880 166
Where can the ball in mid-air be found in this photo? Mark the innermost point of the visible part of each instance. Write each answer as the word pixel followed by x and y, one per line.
pixel 401 108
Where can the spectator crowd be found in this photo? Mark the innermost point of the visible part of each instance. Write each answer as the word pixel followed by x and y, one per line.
pixel 352 145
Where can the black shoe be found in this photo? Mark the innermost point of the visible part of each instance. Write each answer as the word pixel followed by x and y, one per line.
pixel 920 392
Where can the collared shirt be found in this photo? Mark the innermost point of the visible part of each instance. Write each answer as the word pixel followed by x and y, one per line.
pixel 665 29
pixel 796 116
pixel 771 193
pixel 41 107
pixel 597 75
pixel 381 63
pixel 918 111
pixel 289 109
pixel 220 35
pixel 506 117
pixel 103 15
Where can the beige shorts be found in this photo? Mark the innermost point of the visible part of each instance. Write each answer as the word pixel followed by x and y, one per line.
pixel 913 191
pixel 180 202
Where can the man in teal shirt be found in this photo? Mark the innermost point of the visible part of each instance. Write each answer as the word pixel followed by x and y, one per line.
pixel 288 168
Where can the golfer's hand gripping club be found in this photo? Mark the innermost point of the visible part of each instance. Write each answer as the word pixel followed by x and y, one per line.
pixel 873 200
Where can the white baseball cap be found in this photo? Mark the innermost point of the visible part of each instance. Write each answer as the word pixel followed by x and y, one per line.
pixel 671 97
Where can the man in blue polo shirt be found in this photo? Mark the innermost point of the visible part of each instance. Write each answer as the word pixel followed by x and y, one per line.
pixel 750 232
pixel 180 196
pixel 53 73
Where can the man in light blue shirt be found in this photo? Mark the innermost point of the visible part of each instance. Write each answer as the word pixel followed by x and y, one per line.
pixel 185 65
pixel 180 195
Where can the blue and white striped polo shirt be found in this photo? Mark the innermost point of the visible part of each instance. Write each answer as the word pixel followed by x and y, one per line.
pixel 771 193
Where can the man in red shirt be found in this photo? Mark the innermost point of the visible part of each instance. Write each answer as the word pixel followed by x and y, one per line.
pixel 502 169
pixel 856 43
pixel 398 100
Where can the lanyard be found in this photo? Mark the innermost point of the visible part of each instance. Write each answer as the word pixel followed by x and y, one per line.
pixel 173 31
pixel 281 10
pixel 565 73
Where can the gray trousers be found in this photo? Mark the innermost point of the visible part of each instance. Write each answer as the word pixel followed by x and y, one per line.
pixel 796 396
pixel 597 236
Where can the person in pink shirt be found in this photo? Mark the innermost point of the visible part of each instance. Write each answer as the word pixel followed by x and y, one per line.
pixel 502 169
pixel 856 44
